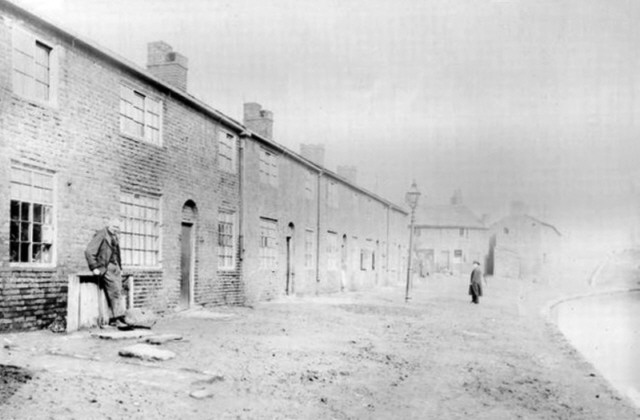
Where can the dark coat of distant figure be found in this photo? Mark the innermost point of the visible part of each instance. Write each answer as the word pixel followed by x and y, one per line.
pixel 475 286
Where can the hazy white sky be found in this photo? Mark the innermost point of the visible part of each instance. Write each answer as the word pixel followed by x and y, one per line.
pixel 505 99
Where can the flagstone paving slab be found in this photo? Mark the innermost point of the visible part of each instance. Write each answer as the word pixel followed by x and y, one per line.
pixel 147 352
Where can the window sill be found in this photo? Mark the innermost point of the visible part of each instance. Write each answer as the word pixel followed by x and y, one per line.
pixel 29 267
pixel 142 140
pixel 51 104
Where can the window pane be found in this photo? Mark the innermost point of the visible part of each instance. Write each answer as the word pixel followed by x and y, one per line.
pixel 14 236
pixel 47 234
pixel 22 62
pixel 45 253
pixel 41 91
pixel 48 215
pixel 36 253
pixel 24 252
pixel 42 54
pixel 24 232
pixel 37 233
pixel 14 252
pixel 20 175
pixel 138 100
pixel 37 213
pixel 140 231
pixel 15 210
pixel 24 211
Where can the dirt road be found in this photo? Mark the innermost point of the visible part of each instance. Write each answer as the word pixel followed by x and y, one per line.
pixel 349 356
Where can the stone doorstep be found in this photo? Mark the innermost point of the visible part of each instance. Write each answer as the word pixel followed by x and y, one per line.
pixel 122 335
pixel 162 338
pixel 146 352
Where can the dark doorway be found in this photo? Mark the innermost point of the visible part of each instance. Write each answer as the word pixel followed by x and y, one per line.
pixel 344 255
pixel 185 264
pixel 187 253
pixel 290 283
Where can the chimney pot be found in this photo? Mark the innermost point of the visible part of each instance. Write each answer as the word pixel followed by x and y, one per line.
pixel 167 65
pixel 258 120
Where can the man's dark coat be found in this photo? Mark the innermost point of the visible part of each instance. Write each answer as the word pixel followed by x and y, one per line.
pixel 100 250
pixel 475 288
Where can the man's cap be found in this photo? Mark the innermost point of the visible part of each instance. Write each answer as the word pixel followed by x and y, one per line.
pixel 113 222
pixel 476 262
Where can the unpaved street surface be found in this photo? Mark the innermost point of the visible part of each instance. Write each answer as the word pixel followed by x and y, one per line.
pixel 358 356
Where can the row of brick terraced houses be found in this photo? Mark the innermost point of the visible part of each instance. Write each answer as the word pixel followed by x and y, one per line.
pixel 213 211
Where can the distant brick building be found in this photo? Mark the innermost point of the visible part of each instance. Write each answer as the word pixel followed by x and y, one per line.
pixel 522 246
pixel 448 238
pixel 308 229
pixel 213 210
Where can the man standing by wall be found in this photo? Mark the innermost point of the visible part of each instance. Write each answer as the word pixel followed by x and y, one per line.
pixel 103 257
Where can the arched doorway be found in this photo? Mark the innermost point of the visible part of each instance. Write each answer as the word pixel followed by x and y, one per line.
pixel 291 272
pixel 187 252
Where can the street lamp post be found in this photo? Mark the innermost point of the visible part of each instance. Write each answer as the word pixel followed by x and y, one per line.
pixel 412 200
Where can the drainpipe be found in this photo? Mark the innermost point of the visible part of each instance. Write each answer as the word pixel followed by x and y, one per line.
pixel 318 195
pixel 241 233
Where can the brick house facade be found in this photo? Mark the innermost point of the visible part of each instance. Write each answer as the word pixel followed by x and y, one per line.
pixel 522 246
pixel 103 138
pixel 213 211
pixel 448 238
pixel 309 230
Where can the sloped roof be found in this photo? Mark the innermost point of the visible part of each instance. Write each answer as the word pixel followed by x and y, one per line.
pixel 540 222
pixel 448 216
pixel 114 58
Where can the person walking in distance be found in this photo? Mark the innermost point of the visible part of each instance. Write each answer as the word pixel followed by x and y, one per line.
pixel 103 258
pixel 475 286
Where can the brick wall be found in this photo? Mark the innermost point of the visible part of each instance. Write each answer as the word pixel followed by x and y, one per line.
pixel 79 140
pixel 364 221
pixel 30 299
pixel 285 203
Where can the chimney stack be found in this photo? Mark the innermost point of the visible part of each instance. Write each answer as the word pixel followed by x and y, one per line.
pixel 258 120
pixel 167 65
pixel 456 198
pixel 350 173
pixel 313 152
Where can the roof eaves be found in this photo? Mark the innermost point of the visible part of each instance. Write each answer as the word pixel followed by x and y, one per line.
pixel 322 170
pixel 449 226
pixel 545 224
pixel 122 62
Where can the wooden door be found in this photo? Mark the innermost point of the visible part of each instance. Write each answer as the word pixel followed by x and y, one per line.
pixel 289 285
pixel 185 264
